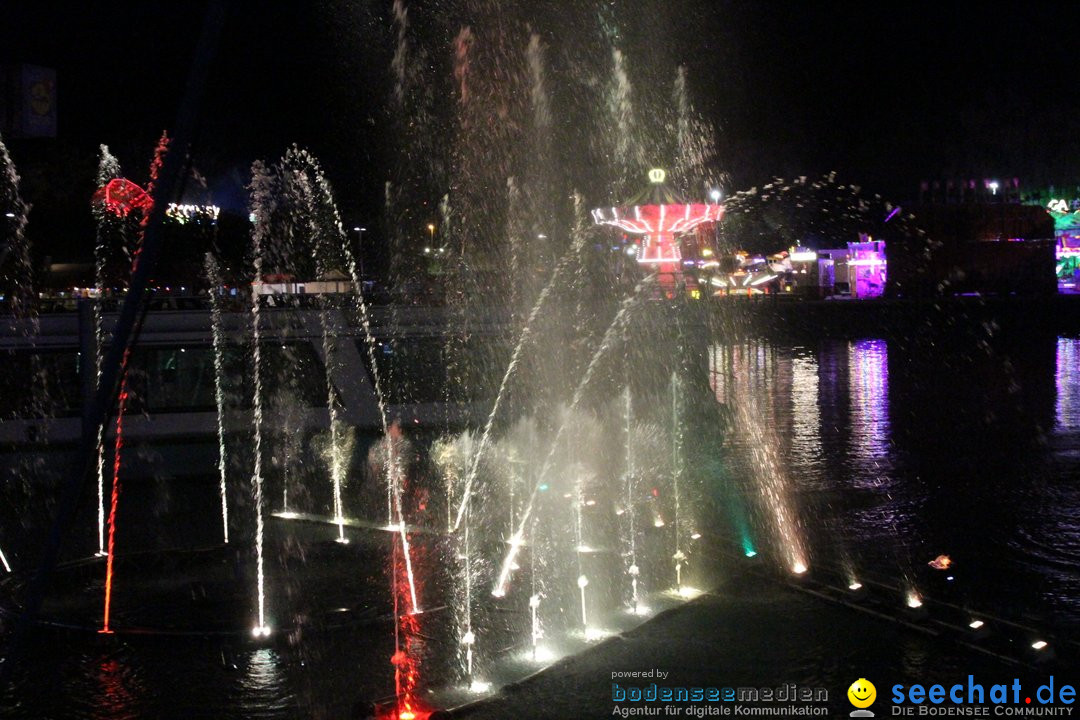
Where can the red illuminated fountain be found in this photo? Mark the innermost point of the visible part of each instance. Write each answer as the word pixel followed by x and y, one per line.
pixel 659 216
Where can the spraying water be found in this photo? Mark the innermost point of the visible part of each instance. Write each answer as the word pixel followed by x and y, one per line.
pixel 107 226
pixel 676 474
pixel 515 358
pixel 773 484
pixel 337 451
pixel 261 199
pixel 629 509
pixel 115 500
pixel 615 329
pixel 213 274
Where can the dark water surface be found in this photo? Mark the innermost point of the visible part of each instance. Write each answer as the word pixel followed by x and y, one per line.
pixel 888 454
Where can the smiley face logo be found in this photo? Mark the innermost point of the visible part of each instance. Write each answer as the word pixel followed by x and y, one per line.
pixel 862 693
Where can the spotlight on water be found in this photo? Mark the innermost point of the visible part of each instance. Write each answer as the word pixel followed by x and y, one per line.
pixel 976 624
pixel 854 586
pixel 913 600
pixel 1039 645
pixel 260 631
pixel 594 634
pixel 479 686
pixel 686 592
pixel 751 553
pixel 799 568
pixel 540 654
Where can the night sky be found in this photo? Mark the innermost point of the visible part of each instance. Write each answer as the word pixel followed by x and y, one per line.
pixel 885 93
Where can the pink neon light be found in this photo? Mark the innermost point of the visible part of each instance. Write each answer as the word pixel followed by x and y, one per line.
pixel 659 224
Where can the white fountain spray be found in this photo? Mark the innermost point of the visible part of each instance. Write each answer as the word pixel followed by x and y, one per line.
pixel 534 606
pixel 676 473
pixel 394 476
pixel 108 169
pixel 526 334
pixel 579 536
pixel 629 508
pixel 469 638
pixel 3 560
pixel 615 329
pixel 773 482
pixel 336 450
pixel 583 582
pixel 261 199
pixel 213 275
pixel 620 109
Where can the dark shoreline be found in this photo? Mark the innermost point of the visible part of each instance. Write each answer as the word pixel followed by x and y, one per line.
pixel 797 319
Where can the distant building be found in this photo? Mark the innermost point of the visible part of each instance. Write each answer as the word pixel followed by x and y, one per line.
pixel 1066 215
pixel 334 282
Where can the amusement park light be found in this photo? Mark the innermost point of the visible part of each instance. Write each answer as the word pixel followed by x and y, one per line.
pixel 658 217
pixel 800 255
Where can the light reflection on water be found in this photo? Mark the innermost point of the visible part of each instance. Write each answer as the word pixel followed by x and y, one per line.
pixel 1050 529
pixel 898 452
pixel 1067 382
pixel 870 433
